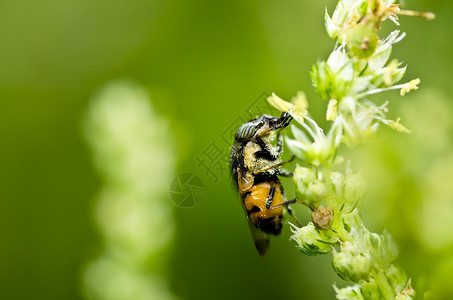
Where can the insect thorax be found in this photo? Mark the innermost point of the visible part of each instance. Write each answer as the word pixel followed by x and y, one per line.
pixel 254 163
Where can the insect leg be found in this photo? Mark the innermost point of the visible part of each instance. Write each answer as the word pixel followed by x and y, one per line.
pixel 286 203
pixel 279 143
pixel 274 166
pixel 291 213
pixel 270 197
pixel 284 173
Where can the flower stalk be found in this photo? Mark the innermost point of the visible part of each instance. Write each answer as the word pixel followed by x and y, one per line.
pixel 357 68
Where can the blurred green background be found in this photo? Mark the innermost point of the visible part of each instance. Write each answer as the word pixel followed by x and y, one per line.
pixel 203 64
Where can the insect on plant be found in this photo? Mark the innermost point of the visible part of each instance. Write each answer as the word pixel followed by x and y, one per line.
pixel 255 166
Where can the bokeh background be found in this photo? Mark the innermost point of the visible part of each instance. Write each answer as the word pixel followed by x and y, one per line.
pixel 199 65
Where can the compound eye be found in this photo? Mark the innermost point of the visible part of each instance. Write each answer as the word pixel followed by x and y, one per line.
pixel 246 131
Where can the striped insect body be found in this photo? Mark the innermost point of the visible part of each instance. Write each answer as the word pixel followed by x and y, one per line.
pixel 255 166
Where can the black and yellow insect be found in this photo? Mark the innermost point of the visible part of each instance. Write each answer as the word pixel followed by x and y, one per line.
pixel 255 164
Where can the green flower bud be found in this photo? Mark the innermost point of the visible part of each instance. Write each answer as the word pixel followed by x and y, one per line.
pixel 323 79
pixel 303 176
pixel 354 189
pixel 346 192
pixel 335 196
pixel 311 241
pixel 313 146
pixel 349 226
pixel 361 39
pixel 370 290
pixel 396 277
pixel 350 264
pixel 349 293
pixel 333 79
pixel 382 248
pixel 317 190
pixel 309 189
pixel 352 220
pixel 337 181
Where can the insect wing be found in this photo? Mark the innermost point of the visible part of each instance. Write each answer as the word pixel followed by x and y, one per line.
pixel 260 238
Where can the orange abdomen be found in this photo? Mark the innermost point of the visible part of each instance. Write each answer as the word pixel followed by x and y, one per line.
pixel 267 220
